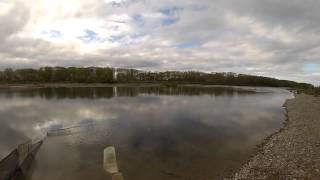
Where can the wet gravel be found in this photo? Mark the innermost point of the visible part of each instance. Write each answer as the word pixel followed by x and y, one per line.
pixel 294 151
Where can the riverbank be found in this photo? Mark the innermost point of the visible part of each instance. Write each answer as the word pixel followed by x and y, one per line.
pixel 293 152
pixel 130 84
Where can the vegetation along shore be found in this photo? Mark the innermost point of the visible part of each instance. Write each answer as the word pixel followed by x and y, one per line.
pixel 120 75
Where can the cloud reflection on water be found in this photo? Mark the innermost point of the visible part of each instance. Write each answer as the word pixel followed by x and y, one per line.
pixel 165 127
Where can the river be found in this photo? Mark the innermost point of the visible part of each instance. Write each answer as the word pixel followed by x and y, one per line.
pixel 183 132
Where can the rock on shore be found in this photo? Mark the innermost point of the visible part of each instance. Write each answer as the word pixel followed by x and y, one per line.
pixel 293 152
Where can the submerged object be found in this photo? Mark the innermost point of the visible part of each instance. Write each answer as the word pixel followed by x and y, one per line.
pixel 110 163
pixel 62 132
pixel 59 130
pixel 117 176
pixel 110 160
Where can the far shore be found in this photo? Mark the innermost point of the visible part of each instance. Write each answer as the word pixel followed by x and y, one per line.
pixel 129 84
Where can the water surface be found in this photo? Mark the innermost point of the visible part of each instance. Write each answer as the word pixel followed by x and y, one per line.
pixel 193 132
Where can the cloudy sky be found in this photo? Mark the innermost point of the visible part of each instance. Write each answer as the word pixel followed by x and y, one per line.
pixel 277 38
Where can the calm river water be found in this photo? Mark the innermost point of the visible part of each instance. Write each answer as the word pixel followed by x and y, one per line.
pixel 160 133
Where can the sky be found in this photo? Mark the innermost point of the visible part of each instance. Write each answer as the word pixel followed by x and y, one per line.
pixel 275 38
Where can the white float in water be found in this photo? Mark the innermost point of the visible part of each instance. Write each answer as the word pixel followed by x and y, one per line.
pixel 110 160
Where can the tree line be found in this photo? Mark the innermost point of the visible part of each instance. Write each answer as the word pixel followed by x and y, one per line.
pixel 113 75
pixel 57 75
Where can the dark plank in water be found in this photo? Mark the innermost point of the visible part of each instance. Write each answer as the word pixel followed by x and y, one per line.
pixel 18 161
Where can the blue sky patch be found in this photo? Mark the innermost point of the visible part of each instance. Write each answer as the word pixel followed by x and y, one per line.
pixel 138 19
pixel 311 67
pixel 90 37
pixel 197 7
pixel 170 11
pixel 187 45
pixel 138 35
pixel 171 15
pixel 122 3
pixel 169 21
pixel 116 38
pixel 52 33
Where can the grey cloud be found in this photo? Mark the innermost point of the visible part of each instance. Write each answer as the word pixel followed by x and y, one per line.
pixel 13 21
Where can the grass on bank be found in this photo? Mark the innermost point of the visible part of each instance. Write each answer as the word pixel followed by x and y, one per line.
pixel 312 90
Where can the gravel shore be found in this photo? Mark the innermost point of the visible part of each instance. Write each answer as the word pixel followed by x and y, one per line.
pixel 293 152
